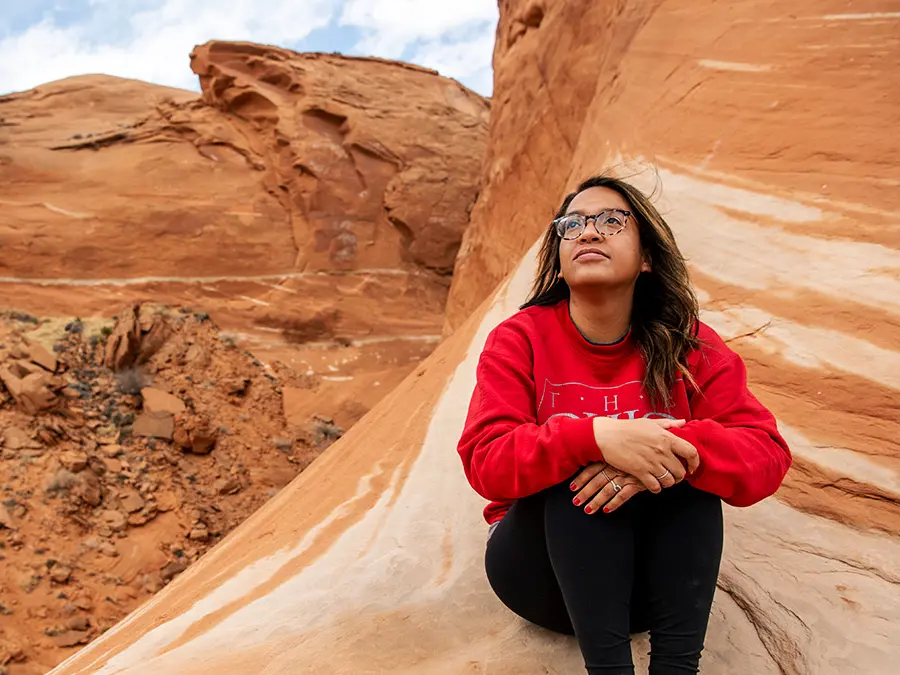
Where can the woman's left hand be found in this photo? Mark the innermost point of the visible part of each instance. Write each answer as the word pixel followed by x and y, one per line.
pixel 594 487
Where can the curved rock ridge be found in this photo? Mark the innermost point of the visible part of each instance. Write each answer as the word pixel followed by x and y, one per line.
pixel 748 94
pixel 288 169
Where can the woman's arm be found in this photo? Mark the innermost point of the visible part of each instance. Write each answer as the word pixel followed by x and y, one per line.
pixel 505 453
pixel 743 457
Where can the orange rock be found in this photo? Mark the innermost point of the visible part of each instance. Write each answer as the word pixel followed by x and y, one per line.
pixel 131 500
pixel 39 355
pixel 295 404
pixel 203 440
pixel 123 344
pixel 113 519
pixel 87 488
pixel 71 638
pixel 60 573
pixel 74 460
pixel 158 426
pixel 6 519
pixel 181 436
pixel 158 402
pixel 15 438
pixel 31 392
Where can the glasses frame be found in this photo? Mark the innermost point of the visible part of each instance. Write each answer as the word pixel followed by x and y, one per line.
pixel 593 218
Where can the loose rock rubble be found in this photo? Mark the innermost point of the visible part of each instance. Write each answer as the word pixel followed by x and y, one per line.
pixel 124 456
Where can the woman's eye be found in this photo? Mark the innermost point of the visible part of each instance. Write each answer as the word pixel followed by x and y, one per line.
pixel 613 220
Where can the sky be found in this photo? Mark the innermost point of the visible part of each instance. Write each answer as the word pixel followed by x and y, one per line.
pixel 45 40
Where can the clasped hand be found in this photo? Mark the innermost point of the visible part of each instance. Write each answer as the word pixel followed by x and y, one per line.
pixel 640 455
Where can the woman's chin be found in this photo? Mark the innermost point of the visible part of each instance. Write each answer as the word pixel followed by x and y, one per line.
pixel 589 280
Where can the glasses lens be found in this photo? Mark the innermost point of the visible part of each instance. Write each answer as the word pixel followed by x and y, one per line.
pixel 570 227
pixel 610 222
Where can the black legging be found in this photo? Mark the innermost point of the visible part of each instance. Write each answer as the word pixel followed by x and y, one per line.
pixel 650 565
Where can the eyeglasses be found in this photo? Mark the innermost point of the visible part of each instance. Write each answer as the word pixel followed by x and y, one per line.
pixel 607 223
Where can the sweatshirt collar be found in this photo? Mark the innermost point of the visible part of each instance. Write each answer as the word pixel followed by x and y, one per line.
pixel 625 345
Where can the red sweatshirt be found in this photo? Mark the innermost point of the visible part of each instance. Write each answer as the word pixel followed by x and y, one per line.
pixel 539 383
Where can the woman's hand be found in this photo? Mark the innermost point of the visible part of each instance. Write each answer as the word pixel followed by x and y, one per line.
pixel 595 487
pixel 645 449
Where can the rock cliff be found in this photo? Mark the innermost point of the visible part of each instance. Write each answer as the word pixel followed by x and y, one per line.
pixel 345 182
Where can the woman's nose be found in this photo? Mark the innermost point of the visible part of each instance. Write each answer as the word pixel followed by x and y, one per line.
pixel 591 233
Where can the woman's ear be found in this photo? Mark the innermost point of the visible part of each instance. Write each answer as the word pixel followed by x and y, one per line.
pixel 559 275
pixel 646 265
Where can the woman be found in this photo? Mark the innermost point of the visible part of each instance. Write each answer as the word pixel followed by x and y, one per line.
pixel 607 425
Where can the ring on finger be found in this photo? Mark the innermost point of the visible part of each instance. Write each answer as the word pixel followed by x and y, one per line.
pixel 663 476
pixel 608 479
pixel 616 486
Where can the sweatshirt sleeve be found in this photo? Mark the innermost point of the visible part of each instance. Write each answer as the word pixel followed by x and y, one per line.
pixel 505 453
pixel 743 457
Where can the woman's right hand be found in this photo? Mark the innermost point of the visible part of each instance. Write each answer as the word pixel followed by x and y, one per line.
pixel 646 450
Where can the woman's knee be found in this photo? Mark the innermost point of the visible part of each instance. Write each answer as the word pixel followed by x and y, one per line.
pixel 535 598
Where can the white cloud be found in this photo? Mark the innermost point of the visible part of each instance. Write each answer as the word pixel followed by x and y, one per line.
pixel 390 26
pixel 468 61
pixel 158 40
pixel 151 39
pixel 455 37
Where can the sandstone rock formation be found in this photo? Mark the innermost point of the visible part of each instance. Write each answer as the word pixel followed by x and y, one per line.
pixel 341 182
pixel 782 192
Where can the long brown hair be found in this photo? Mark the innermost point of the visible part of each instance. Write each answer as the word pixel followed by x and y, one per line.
pixel 665 314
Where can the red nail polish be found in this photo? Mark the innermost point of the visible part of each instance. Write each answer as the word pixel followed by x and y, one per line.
pixel 605 510
pixel 587 509
pixel 573 486
pixel 576 501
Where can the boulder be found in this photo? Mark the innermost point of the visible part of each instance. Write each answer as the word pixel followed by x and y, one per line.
pixel 39 355
pixel 158 402
pixel 157 426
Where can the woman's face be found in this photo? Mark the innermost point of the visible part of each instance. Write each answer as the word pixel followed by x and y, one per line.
pixel 592 260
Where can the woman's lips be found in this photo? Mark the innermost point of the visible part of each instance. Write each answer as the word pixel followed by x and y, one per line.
pixel 591 254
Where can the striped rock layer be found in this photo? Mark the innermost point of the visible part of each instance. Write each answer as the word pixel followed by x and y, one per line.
pixel 769 127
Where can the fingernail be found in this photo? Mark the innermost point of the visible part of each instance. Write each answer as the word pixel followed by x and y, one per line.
pixel 573 486
pixel 587 509
pixel 576 501
pixel 605 510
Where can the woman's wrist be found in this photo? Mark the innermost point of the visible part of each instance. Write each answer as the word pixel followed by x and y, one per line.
pixel 603 427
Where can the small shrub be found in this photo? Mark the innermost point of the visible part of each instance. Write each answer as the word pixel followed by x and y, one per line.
pixel 132 380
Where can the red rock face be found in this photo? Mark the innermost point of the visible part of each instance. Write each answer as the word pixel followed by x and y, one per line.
pixel 288 169
pixel 748 90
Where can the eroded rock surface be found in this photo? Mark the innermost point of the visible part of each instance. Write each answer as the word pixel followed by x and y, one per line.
pixel 343 182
